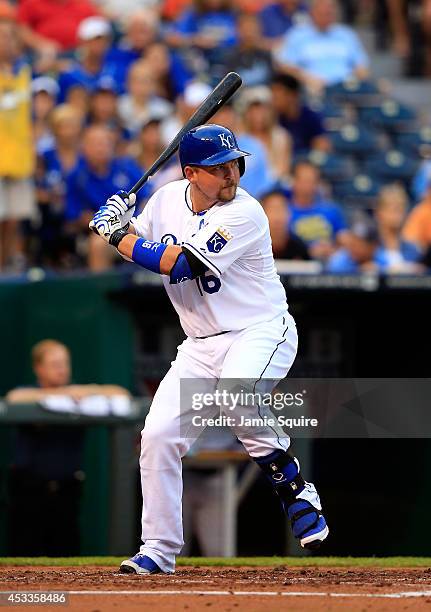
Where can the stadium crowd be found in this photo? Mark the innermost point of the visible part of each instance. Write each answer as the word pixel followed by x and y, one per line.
pixel 91 91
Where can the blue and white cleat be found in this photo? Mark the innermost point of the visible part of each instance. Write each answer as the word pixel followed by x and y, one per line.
pixel 140 564
pixel 308 524
pixel 299 498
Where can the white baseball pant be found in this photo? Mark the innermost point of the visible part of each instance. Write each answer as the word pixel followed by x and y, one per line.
pixel 265 351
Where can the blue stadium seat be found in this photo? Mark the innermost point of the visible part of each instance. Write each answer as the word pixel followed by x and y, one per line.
pixel 354 91
pixel 354 139
pixel 390 166
pixel 416 141
pixel 333 114
pixel 390 115
pixel 333 167
pixel 361 191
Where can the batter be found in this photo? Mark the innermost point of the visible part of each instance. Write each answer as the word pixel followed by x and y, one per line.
pixel 210 240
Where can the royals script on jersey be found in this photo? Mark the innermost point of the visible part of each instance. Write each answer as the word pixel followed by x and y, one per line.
pixel 241 286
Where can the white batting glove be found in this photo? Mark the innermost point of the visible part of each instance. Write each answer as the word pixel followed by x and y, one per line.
pixel 113 215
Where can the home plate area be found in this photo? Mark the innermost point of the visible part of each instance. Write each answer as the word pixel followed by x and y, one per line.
pixel 255 589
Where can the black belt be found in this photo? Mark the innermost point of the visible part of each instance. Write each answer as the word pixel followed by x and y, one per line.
pixel 212 335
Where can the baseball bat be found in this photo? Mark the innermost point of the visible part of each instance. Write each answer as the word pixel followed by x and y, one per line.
pixel 215 100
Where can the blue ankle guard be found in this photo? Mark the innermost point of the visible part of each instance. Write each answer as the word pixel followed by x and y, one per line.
pixel 282 471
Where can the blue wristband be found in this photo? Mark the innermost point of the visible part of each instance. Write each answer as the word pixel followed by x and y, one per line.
pixel 148 254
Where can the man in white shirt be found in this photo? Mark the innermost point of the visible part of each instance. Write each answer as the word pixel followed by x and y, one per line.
pixel 210 240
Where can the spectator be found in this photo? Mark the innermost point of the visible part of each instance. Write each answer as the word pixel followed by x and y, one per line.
pixel 55 244
pixel 322 52
pixel 394 253
pixel 421 180
pixel 103 103
pixel 172 9
pixel 17 160
pixel 194 94
pixel 285 244
pixel 51 25
pixel 102 110
pixel 303 124
pixel 48 461
pixel 319 223
pixel 410 23
pixel 45 91
pixel 94 37
pixel 417 228
pixel 121 13
pixel 277 18
pixel 209 26
pixel 170 73
pixel 253 63
pixel 98 176
pixel 141 101
pixel 255 107
pixel 147 147
pixel 141 30
pixel 258 178
pixel 359 252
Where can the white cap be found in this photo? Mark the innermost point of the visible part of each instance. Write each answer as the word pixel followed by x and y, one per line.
pixel 195 93
pixel 93 27
pixel 259 94
pixel 45 83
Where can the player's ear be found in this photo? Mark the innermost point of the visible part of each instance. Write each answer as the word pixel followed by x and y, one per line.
pixel 190 174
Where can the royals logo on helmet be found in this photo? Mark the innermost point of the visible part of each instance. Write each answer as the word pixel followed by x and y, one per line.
pixel 227 141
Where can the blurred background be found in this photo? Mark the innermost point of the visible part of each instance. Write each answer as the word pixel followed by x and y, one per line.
pixel 335 111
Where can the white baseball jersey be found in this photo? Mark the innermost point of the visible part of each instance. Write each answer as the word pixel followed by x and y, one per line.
pixel 241 287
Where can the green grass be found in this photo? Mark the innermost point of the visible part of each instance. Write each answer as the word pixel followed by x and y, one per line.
pixel 234 561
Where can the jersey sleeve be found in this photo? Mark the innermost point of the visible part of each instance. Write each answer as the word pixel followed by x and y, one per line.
pixel 225 239
pixel 143 223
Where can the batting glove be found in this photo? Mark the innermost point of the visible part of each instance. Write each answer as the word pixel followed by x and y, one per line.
pixel 113 215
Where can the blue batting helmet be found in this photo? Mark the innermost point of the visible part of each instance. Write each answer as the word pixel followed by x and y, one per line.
pixel 209 145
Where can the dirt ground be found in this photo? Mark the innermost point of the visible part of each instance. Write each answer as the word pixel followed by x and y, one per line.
pixel 227 589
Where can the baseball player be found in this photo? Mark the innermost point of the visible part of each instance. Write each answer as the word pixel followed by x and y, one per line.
pixel 210 240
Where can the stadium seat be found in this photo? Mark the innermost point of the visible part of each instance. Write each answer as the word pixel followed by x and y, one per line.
pixel 390 166
pixel 333 167
pixel 390 115
pixel 354 92
pixel 416 142
pixel 361 191
pixel 354 139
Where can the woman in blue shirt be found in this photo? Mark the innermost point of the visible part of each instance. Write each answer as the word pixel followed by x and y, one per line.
pixel 55 245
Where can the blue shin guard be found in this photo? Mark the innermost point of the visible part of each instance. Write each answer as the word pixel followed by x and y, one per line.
pixel 299 499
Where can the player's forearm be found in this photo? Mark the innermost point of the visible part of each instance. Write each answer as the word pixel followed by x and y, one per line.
pixel 135 249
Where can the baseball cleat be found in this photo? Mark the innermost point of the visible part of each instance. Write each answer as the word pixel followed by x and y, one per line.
pixel 308 524
pixel 140 564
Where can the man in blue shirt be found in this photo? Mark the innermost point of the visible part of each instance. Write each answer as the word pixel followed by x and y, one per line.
pixel 277 18
pixel 322 52
pixel 94 34
pixel 303 124
pixel 98 175
pixel 319 223
pixel 360 254
pixel 209 27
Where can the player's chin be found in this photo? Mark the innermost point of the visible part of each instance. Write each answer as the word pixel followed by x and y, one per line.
pixel 227 194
